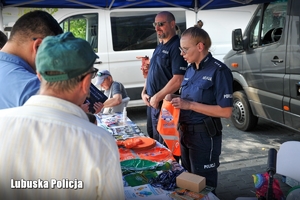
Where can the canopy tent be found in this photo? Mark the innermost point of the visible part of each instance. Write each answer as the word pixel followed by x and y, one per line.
pixel 193 5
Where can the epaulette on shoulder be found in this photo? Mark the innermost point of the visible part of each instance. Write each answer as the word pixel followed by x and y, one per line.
pixel 220 65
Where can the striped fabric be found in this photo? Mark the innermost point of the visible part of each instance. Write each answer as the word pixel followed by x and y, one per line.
pixel 49 147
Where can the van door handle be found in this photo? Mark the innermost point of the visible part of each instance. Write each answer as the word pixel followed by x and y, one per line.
pixel 298 89
pixel 277 60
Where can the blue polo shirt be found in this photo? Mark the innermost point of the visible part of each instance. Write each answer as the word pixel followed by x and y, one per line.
pixel 212 84
pixel 166 61
pixel 18 81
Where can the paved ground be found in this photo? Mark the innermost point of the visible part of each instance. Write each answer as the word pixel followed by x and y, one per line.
pixel 243 154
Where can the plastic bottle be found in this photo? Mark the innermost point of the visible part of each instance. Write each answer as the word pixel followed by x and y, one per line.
pixel 124 116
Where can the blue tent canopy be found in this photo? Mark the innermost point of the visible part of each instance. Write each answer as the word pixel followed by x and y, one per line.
pixel 194 5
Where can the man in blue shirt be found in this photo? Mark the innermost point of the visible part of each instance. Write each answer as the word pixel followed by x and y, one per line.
pixel 18 80
pixel 166 70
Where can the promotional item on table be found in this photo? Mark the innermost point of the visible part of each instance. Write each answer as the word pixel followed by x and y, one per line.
pixel 148 167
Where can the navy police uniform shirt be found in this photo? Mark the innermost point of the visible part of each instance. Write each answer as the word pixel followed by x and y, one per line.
pixel 165 62
pixel 211 84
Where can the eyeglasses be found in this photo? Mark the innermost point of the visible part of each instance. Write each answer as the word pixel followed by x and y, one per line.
pixel 94 72
pixel 160 24
pixel 185 50
pixel 101 74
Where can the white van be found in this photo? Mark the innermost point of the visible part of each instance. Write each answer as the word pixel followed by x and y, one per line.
pixel 119 36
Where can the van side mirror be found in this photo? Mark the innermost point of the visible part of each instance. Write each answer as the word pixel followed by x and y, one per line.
pixel 237 40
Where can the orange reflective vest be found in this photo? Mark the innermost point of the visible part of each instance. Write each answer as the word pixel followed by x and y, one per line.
pixel 167 126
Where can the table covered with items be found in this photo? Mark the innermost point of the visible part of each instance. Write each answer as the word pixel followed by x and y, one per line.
pixel 148 167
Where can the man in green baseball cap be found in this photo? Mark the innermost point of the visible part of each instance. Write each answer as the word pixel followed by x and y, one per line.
pixel 49 147
pixel 66 62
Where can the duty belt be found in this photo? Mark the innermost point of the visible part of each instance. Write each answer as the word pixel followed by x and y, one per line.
pixel 192 127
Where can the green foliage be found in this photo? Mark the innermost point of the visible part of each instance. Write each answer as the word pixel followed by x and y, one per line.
pixel 78 28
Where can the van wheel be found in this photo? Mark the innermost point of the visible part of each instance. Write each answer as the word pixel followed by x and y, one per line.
pixel 242 117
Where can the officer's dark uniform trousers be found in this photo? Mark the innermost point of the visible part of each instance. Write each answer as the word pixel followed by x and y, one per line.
pixel 202 150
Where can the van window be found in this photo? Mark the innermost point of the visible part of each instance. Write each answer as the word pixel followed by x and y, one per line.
pixel 83 26
pixel 254 30
pixel 268 24
pixel 294 43
pixel 134 30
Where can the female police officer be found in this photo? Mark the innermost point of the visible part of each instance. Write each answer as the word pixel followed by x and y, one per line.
pixel 206 96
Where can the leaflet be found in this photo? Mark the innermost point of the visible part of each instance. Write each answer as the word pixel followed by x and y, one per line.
pixel 96 95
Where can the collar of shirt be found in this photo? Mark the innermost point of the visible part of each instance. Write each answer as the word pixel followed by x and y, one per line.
pixel 7 57
pixel 56 103
pixel 203 63
pixel 175 37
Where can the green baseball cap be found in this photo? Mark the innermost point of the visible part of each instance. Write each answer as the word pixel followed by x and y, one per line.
pixel 66 54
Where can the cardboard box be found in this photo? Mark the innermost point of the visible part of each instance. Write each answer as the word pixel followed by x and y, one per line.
pixel 191 182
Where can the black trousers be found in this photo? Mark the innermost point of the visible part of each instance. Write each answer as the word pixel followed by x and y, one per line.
pixel 154 117
pixel 200 154
pixel 149 122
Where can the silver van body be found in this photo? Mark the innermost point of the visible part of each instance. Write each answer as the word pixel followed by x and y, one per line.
pixel 265 63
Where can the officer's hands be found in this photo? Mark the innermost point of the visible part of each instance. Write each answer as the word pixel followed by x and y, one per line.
pixel 177 102
pixel 145 69
pixel 146 99
pixel 169 97
pixel 154 102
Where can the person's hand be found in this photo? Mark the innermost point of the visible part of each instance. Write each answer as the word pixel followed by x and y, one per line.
pixel 85 107
pixel 98 107
pixel 145 65
pixel 154 102
pixel 178 102
pixel 146 99
pixel 169 97
pixel 144 69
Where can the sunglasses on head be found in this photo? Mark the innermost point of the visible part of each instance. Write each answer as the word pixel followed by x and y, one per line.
pixel 101 74
pixel 160 24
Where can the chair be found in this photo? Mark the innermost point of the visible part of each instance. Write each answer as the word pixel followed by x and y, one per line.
pixel 287 162
pixel 119 108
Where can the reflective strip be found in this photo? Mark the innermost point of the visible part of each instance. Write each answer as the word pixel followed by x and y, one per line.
pixel 172 142
pixel 168 137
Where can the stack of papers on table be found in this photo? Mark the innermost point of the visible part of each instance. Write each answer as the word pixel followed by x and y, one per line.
pixel 115 125
pixel 127 129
